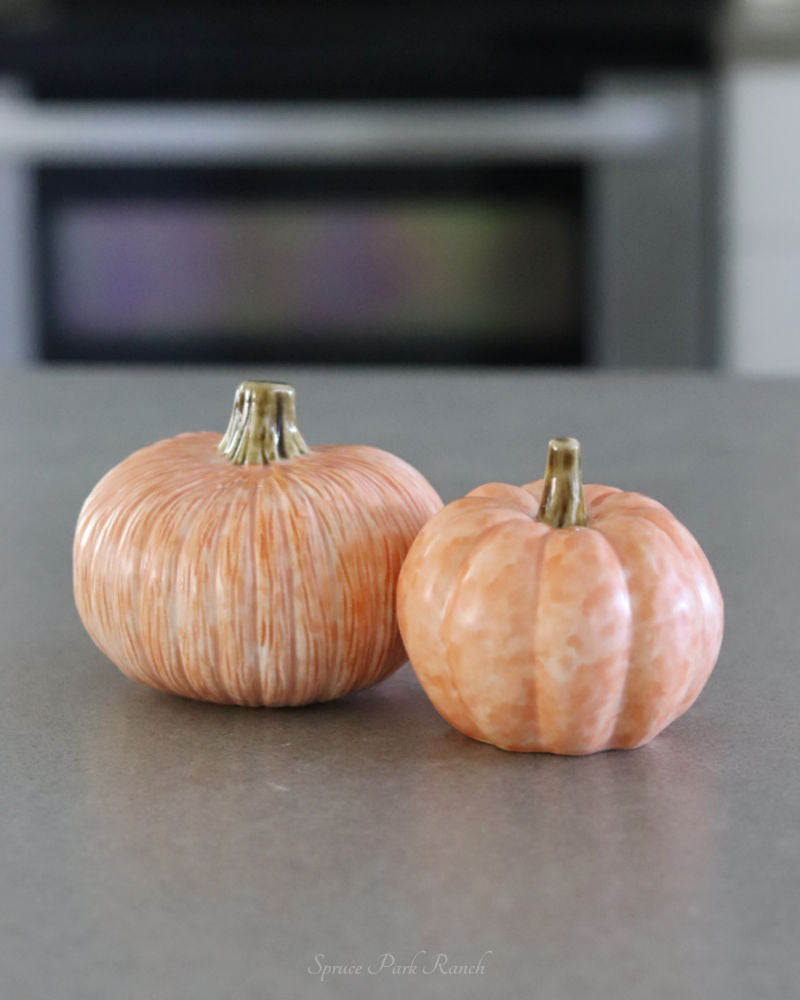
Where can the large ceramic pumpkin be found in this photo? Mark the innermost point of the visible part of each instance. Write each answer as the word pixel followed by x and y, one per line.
pixel 250 569
pixel 546 617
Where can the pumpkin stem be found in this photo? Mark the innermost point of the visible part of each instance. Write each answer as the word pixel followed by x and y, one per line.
pixel 562 503
pixel 262 427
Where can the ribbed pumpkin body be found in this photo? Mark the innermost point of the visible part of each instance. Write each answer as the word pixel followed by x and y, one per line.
pixel 254 584
pixel 568 640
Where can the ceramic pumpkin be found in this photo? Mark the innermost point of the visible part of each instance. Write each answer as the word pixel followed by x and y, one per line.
pixel 250 569
pixel 545 617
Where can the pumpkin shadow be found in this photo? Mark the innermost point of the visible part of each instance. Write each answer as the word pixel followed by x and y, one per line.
pixel 190 793
pixel 160 765
pixel 630 834
pixel 378 713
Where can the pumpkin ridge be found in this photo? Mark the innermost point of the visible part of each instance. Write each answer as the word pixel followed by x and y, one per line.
pixel 116 525
pixel 154 518
pixel 384 476
pixel 270 660
pixel 700 612
pixel 457 580
pixel 172 611
pixel 405 489
pixel 379 478
pixel 337 479
pixel 252 594
pixel 223 522
pixel 453 588
pixel 641 515
pixel 187 508
pixel 305 588
pixel 289 575
pixel 597 563
pixel 387 473
pixel 539 568
pixel 143 667
pixel 93 526
pixel 196 584
pixel 623 507
pixel 439 530
pixel 360 514
pixel 97 605
pixel 624 687
pixel 681 705
pixel 504 494
pixel 294 580
pixel 534 487
pixel 454 516
pixel 325 531
pixel 594 500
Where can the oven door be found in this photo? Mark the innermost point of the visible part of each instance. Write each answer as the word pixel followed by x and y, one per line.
pixel 366 263
pixel 425 234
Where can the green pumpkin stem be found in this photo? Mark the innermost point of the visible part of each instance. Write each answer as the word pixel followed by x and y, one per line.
pixel 562 503
pixel 262 427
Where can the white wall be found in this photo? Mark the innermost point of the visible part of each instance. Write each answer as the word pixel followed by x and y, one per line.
pixel 761 218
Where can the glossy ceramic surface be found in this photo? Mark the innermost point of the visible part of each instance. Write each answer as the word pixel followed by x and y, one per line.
pixel 250 569
pixel 570 639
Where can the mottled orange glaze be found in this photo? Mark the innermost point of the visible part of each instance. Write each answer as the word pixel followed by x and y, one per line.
pixel 566 640
pixel 254 584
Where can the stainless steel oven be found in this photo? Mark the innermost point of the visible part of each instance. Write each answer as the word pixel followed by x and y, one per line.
pixel 559 230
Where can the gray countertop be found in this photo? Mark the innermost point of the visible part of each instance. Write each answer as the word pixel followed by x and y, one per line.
pixel 153 847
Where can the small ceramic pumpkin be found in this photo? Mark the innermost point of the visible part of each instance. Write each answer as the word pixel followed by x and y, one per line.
pixel 250 569
pixel 544 618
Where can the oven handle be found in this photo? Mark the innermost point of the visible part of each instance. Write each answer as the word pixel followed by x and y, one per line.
pixel 597 128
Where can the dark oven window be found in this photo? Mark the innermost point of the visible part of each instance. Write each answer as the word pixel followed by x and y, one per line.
pixel 415 265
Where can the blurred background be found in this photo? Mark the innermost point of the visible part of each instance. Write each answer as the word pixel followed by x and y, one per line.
pixel 606 183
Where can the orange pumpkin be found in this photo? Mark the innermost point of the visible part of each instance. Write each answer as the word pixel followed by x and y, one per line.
pixel 250 569
pixel 540 617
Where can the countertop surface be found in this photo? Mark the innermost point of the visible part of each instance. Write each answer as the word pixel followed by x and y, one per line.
pixel 156 847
